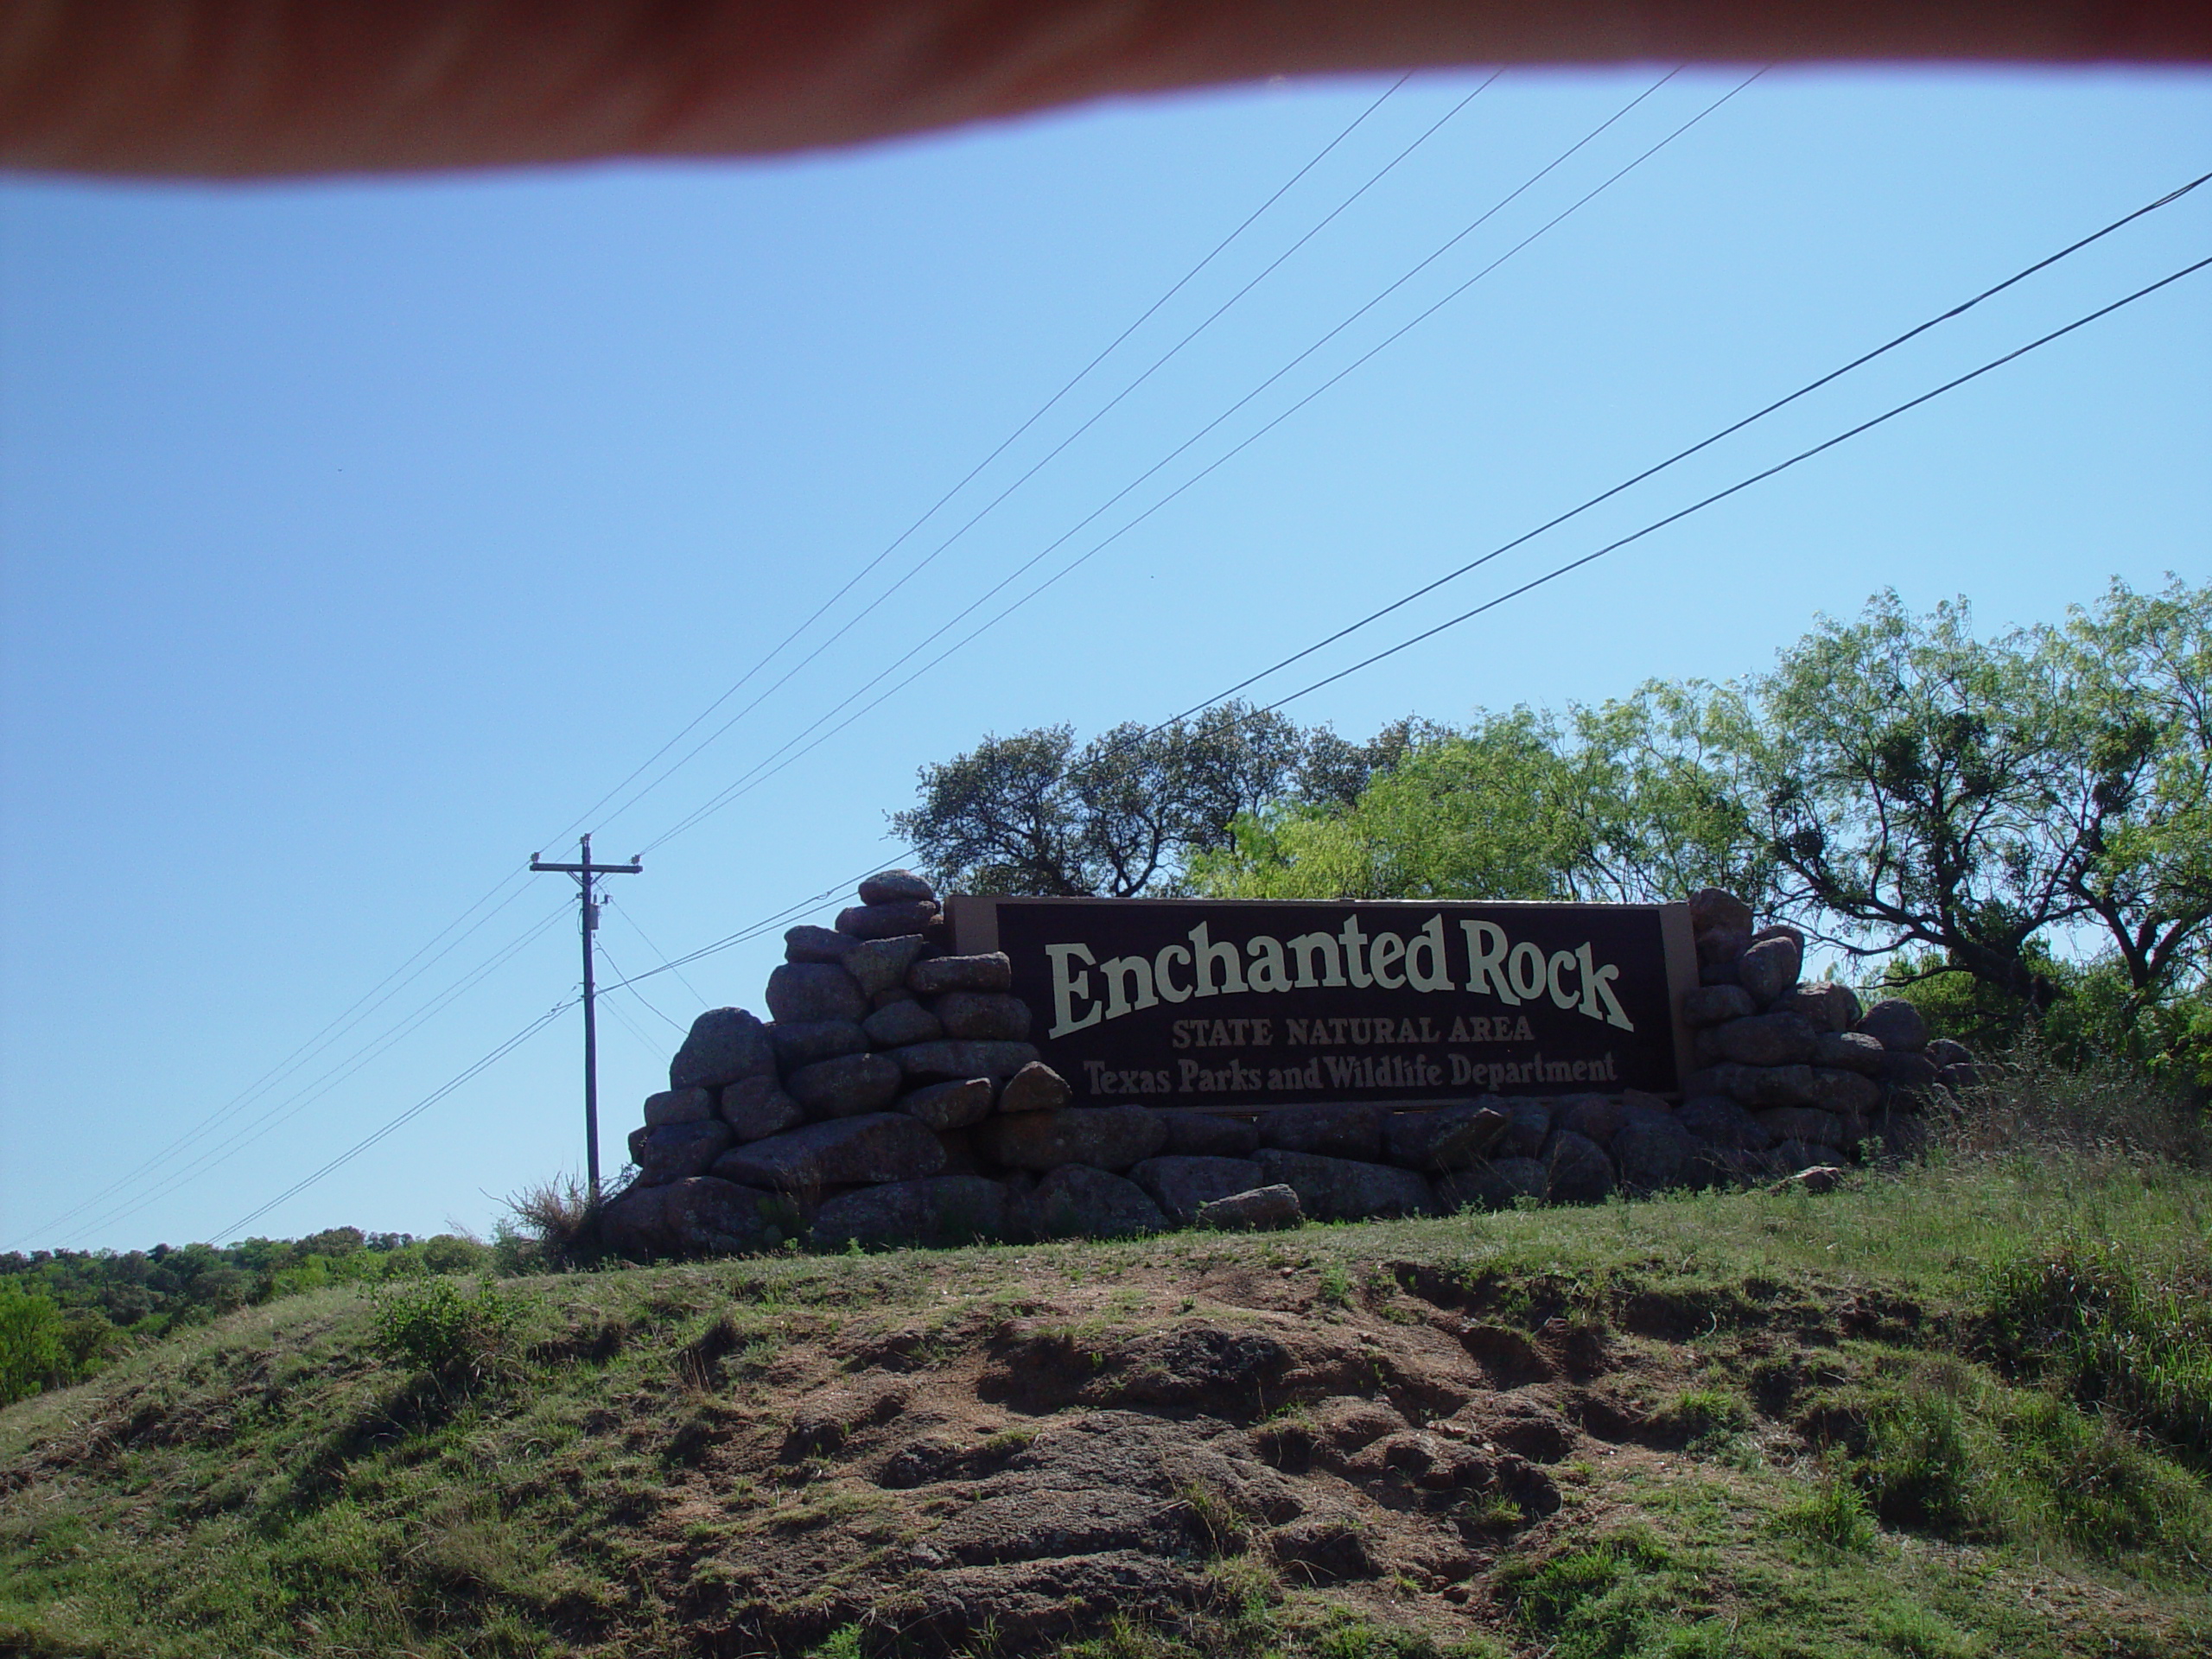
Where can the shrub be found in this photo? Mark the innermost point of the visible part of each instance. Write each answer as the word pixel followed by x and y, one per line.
pixel 1833 1514
pixel 551 1226
pixel 431 1325
pixel 32 1356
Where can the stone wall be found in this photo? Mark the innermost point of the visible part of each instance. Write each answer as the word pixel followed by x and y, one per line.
pixel 894 1095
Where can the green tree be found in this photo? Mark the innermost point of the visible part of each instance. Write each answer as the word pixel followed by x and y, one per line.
pixel 1625 801
pixel 1986 799
pixel 33 1357
pixel 1121 815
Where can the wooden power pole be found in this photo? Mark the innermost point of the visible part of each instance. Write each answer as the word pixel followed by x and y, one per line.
pixel 587 874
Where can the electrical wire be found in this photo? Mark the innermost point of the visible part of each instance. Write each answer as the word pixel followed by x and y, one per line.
pixel 477 1067
pixel 973 473
pixel 1653 471
pixel 764 769
pixel 223 1151
pixel 344 1021
pixel 1050 455
pixel 1745 484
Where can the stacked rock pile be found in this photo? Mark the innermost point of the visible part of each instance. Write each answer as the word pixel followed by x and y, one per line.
pixel 894 1095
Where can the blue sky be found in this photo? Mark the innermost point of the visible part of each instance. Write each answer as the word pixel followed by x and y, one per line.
pixel 357 537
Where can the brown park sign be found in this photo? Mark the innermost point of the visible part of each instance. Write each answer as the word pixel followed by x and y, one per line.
pixel 1245 1003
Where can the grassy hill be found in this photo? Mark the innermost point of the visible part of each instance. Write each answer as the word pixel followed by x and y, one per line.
pixel 1966 1410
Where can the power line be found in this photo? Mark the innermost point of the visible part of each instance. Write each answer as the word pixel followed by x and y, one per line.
pixel 1745 483
pixel 309 1093
pixel 404 1118
pixel 973 473
pixel 367 1003
pixel 764 770
pixel 1050 455
pixel 486 1062
pixel 1809 387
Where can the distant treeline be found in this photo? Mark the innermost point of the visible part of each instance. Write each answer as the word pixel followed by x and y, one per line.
pixel 66 1314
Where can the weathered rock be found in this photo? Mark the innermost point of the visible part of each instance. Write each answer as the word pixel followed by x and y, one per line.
pixel 1344 1189
pixel 817 945
pixel 1769 967
pixel 1333 1131
pixel 1849 1051
pixel 935 976
pixel 756 1108
pixel 799 992
pixel 1787 1123
pixel 705 1215
pixel 1496 1185
pixel 1720 1121
pixel 890 921
pixel 1179 1185
pixel 1450 1137
pixel 951 1058
pixel 1896 1024
pixel 1791 1156
pixel 1077 1201
pixel 803 1042
pixel 1943 1051
pixel 1654 1153
pixel 1765 1086
pixel 1528 1125
pixel 1592 1116
pixel 880 965
pixel 1819 1178
pixel 1576 1169
pixel 674 1150
pixel 846 1086
pixel 960 1157
pixel 1907 1071
pixel 1716 1005
pixel 635 1222
pixel 1718 973
pixel 940 1211
pixel 896 994
pixel 1103 1137
pixel 898 1025
pixel 1716 909
pixel 1846 1093
pixel 897 886
pixel 1203 1135
pixel 1264 1209
pixel 1766 1039
pixel 1035 1088
pixel 679 1106
pixel 1900 1134
pixel 950 1105
pixel 1722 946
pixel 1959 1078
pixel 1829 1006
pixel 989 1016
pixel 723 1046
pixel 879 1146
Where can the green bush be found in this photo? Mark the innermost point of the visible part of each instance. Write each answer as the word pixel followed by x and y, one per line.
pixel 32 1356
pixel 430 1326
pixel 1833 1514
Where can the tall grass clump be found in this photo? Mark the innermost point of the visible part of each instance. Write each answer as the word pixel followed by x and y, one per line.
pixel 2116 1335
pixel 2026 1099
pixel 552 1227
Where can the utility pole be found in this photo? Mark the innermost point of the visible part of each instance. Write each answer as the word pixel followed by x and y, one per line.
pixel 585 873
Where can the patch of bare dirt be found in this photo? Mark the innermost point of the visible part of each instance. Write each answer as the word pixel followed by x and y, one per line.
pixel 1098 1452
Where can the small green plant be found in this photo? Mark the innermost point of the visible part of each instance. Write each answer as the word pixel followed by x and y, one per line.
pixel 1336 1285
pixel 430 1326
pixel 1833 1515
pixel 1703 1415
pixel 843 1642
